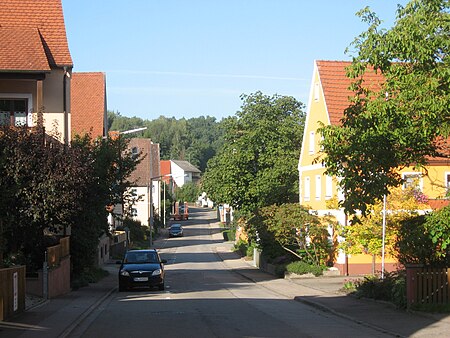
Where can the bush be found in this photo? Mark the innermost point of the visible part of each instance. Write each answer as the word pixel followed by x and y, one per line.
pixel 137 231
pixel 303 268
pixel 392 288
pixel 241 246
pixel 90 275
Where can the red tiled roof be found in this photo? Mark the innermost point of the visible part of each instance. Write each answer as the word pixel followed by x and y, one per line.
pixel 438 204
pixel 47 17
pixel 165 169
pixel 21 49
pixel 88 103
pixel 335 84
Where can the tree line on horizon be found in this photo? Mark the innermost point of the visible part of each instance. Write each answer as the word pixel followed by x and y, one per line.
pixel 195 140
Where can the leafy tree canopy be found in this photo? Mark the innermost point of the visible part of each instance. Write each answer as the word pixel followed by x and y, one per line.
pixel 403 121
pixel 256 165
pixel 195 140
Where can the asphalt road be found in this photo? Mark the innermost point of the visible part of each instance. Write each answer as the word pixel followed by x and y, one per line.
pixel 205 299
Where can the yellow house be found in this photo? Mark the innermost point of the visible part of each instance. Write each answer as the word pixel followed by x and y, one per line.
pixel 329 97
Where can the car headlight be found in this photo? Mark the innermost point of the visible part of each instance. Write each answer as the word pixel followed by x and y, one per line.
pixel 157 272
pixel 124 273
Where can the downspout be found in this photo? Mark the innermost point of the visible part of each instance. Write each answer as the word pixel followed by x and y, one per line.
pixel 66 114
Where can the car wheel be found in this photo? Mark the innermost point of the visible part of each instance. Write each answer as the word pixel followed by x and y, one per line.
pixel 161 287
pixel 122 288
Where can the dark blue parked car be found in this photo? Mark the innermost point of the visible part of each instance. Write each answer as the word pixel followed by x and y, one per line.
pixel 141 268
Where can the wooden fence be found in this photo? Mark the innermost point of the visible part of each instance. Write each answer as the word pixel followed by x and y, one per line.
pixel 428 285
pixel 58 252
pixel 12 291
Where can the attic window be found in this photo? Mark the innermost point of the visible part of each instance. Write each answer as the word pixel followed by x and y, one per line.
pixel 134 152
pixel 316 91
pixel 311 142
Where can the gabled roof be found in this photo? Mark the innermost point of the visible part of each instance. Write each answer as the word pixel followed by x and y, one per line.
pixel 88 103
pixel 22 50
pixel 186 166
pixel 44 15
pixel 335 84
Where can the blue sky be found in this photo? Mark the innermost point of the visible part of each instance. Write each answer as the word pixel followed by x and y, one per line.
pixel 191 58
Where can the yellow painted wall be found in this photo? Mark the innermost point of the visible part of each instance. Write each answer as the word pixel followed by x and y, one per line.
pixel 309 154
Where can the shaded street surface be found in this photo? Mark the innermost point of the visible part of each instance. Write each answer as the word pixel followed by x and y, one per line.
pixel 212 292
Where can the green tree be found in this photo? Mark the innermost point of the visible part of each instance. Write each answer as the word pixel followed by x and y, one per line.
pixel 403 120
pixel 365 234
pixel 109 164
pixel 257 164
pixel 293 228
pixel 425 240
pixel 189 192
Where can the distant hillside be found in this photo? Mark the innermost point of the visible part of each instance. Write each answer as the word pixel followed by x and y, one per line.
pixel 195 140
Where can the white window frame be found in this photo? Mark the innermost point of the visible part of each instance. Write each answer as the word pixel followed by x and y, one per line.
pixel 316 92
pixel 29 98
pixel 307 189
pixel 328 187
pixel 318 187
pixel 413 173
pixel 311 142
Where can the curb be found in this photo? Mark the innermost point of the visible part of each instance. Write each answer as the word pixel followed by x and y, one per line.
pixel 325 308
pixel 86 313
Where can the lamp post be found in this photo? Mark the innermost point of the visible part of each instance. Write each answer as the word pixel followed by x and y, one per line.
pixel 384 236
pixel 150 205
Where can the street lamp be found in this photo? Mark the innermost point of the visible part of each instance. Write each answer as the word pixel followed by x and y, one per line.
pixel 150 205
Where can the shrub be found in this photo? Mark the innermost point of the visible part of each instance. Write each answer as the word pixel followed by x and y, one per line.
pixel 241 246
pixel 89 275
pixel 303 268
pixel 392 288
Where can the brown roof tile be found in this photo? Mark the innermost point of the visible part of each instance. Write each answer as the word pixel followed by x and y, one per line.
pixel 88 103
pixel 47 17
pixel 22 50
pixel 335 84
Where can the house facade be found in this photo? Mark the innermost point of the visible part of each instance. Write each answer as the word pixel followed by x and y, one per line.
pixel 329 97
pixel 145 179
pixel 35 66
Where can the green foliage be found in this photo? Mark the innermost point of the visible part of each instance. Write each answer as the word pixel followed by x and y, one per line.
pixel 195 140
pixel 399 122
pixel 293 228
pixel 48 187
pixel 241 246
pixel 303 268
pixel 89 275
pixel 257 164
pixel 189 192
pixel 391 289
pixel 137 231
pixel 424 240
pixel 364 234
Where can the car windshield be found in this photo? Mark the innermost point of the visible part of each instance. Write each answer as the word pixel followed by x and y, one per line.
pixel 141 257
pixel 175 227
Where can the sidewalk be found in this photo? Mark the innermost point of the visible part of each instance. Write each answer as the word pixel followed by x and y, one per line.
pixel 323 293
